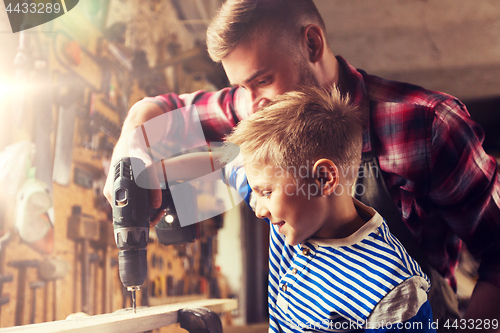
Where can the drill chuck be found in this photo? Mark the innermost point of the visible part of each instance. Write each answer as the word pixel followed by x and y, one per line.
pixel 130 222
pixel 132 266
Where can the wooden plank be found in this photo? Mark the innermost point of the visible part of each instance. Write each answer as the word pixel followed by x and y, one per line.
pixel 125 321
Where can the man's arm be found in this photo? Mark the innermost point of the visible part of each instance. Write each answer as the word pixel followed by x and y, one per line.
pixel 218 113
pixel 466 189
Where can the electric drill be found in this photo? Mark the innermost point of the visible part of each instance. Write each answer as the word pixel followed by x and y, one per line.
pixel 131 216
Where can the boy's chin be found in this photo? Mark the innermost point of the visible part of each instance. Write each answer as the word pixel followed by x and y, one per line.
pixel 293 242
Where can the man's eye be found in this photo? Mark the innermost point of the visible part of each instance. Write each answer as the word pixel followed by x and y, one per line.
pixel 265 82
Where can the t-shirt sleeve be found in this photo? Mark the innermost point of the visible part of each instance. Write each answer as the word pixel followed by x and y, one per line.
pixel 403 309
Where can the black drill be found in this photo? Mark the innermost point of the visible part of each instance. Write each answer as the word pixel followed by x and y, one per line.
pixel 131 216
pixel 131 225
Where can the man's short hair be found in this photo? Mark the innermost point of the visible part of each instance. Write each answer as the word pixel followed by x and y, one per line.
pixel 240 20
pixel 300 127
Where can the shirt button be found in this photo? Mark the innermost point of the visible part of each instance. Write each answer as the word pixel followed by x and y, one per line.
pixel 294 271
pixel 305 252
pixel 283 287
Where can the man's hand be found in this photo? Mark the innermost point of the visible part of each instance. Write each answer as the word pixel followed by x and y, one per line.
pixel 484 304
pixel 138 115
pixel 154 194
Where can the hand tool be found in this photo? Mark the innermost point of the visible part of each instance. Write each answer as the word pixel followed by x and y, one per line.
pixel 131 216
pixel 34 286
pixel 4 299
pixel 50 270
pixel 106 242
pixel 94 260
pixel 83 228
pixel 22 266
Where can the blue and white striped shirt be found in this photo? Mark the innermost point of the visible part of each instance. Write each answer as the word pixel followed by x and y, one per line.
pixel 323 285
pixel 364 282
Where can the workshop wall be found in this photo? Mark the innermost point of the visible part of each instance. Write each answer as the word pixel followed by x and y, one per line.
pixel 94 70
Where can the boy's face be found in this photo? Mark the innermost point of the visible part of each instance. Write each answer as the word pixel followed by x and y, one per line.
pixel 265 70
pixel 293 205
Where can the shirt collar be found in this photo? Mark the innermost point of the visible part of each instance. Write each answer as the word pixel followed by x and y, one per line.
pixel 372 225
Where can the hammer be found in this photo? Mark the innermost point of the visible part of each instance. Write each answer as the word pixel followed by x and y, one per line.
pixel 34 286
pixel 22 266
pixel 199 320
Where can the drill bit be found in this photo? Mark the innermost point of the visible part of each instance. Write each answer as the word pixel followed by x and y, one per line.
pixel 133 289
pixel 133 301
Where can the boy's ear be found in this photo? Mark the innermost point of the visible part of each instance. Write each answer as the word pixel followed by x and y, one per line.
pixel 314 41
pixel 326 175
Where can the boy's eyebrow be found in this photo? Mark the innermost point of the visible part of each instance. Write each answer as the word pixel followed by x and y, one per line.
pixel 257 189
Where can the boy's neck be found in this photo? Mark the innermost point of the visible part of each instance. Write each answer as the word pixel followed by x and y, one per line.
pixel 344 219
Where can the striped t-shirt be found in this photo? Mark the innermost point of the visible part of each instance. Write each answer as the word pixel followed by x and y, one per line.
pixel 364 282
pixel 337 284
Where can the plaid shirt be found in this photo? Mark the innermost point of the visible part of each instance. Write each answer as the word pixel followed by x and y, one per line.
pixel 430 154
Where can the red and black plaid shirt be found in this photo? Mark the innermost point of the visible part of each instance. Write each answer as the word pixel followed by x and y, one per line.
pixel 431 156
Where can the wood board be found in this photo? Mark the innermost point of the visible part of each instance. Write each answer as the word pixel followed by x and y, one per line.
pixel 125 320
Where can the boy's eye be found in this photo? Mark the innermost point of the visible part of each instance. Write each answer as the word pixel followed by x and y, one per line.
pixel 266 194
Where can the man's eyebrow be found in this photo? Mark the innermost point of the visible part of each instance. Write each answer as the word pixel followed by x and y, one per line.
pixel 255 75
pixel 251 77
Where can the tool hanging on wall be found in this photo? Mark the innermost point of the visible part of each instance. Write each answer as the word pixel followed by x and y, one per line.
pixel 22 267
pixel 34 286
pixel 4 298
pixel 70 100
pixel 83 228
pixel 50 270
pixel 106 243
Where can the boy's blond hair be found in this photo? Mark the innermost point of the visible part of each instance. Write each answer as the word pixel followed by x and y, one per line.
pixel 238 21
pixel 300 127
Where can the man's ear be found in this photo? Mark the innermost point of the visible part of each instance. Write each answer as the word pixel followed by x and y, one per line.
pixel 326 175
pixel 315 42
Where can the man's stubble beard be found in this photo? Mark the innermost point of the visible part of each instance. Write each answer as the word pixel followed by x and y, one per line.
pixel 306 75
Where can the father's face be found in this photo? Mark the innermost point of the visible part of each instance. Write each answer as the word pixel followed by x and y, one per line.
pixel 265 70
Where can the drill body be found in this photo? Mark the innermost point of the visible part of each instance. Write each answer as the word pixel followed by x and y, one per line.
pixel 130 223
pixel 131 216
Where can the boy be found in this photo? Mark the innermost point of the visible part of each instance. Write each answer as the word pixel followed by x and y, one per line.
pixel 333 265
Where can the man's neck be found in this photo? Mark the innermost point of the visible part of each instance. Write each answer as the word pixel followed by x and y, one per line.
pixel 327 71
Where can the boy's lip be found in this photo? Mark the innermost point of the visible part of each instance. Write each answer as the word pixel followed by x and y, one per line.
pixel 280 224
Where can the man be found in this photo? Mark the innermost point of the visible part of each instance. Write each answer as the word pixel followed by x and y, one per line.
pixel 443 185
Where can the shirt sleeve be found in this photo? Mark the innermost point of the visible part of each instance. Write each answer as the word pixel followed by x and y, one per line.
pixel 218 111
pixel 465 187
pixel 403 309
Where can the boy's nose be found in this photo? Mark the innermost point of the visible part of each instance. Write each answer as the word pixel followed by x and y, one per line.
pixel 261 211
